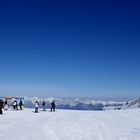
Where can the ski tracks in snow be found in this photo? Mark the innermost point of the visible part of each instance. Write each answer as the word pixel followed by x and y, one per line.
pixel 70 126
pixel 96 125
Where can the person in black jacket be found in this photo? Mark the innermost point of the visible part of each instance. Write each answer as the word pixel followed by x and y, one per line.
pixel 1 106
pixel 15 105
pixel 43 105
pixel 21 104
pixel 52 106
pixel 5 105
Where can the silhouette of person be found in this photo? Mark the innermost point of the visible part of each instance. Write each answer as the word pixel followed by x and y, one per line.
pixel 1 106
pixel 43 105
pixel 52 106
pixel 36 106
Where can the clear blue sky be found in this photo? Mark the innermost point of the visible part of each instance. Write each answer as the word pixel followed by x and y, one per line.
pixel 70 48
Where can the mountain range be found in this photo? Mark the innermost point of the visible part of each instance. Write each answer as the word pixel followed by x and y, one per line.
pixel 74 104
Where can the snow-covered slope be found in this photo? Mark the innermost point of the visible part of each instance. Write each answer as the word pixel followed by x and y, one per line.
pixel 132 104
pixel 70 125
pixel 75 104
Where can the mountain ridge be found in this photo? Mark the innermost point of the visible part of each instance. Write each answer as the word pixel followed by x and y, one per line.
pixel 74 104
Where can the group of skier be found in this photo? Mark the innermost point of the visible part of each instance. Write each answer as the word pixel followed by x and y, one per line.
pixel 19 105
pixel 16 105
pixel 3 104
pixel 44 106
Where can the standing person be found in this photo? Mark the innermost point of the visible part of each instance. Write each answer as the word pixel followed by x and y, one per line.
pixel 5 105
pixel 5 102
pixel 1 106
pixel 14 104
pixel 36 106
pixel 21 104
pixel 52 106
pixel 43 105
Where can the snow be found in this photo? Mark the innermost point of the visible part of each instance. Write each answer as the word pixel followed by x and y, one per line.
pixel 74 103
pixel 132 104
pixel 70 125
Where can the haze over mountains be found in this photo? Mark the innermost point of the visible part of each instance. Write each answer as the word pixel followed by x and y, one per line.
pixel 83 104
pixel 75 104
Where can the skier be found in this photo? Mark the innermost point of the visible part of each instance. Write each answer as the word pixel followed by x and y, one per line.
pixel 5 105
pixel 52 106
pixel 21 104
pixel 15 105
pixel 1 106
pixel 36 106
pixel 5 102
pixel 43 105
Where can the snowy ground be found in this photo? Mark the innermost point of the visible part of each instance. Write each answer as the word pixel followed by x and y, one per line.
pixel 70 125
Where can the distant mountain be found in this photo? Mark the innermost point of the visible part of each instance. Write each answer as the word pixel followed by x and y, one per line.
pixel 73 104
pixel 132 104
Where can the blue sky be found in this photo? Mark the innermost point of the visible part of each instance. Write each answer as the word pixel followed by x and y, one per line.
pixel 70 48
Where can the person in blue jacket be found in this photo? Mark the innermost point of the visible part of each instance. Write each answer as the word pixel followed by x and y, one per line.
pixel 52 106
